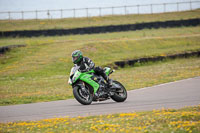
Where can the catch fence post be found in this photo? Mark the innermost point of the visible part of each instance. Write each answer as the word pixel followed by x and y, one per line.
pixel 36 14
pixel 22 15
pixel 48 14
pixel 87 12
pixel 125 10
pixel 177 7
pixel 61 14
pixel 74 12
pixel 190 5
pixel 112 11
pixel 99 11
pixel 9 17
pixel 138 8
pixel 151 9
pixel 164 7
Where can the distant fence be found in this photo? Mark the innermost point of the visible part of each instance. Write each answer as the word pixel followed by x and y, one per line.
pixel 100 11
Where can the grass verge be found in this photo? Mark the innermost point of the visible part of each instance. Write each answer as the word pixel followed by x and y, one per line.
pixel 185 120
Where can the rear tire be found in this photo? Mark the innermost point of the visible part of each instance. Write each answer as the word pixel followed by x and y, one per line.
pixel 121 94
pixel 77 94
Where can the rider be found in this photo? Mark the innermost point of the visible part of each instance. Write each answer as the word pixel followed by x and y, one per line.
pixel 86 64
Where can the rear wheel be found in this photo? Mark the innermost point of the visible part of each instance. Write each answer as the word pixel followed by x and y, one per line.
pixel 82 96
pixel 120 94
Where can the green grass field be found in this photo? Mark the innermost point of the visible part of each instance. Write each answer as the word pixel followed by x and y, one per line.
pixel 39 71
pixel 185 120
pixel 6 25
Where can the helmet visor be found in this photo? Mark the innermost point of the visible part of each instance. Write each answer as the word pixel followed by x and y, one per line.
pixel 74 58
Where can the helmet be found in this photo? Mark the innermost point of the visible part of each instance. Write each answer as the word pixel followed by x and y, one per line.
pixel 77 56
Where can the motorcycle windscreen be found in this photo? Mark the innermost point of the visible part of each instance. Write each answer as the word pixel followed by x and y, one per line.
pixel 73 70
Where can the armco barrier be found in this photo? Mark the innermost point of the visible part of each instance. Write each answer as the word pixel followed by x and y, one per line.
pixel 101 29
pixel 157 58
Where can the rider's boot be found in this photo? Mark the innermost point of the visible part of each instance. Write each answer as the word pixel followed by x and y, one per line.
pixel 109 81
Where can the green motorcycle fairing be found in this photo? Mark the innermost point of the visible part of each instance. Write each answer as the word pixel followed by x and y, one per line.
pixel 86 77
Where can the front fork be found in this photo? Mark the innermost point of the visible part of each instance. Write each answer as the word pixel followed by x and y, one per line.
pixel 83 87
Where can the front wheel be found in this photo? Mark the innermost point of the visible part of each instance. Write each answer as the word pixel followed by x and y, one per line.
pixel 120 94
pixel 83 97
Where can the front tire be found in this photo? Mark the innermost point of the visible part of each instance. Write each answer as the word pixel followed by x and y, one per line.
pixel 120 95
pixel 78 94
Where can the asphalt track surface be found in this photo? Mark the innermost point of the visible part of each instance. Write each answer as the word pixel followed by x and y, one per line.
pixel 170 95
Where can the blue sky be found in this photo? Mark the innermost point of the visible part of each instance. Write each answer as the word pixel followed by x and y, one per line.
pixel 26 5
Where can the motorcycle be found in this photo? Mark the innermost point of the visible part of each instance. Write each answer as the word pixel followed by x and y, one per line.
pixel 89 87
